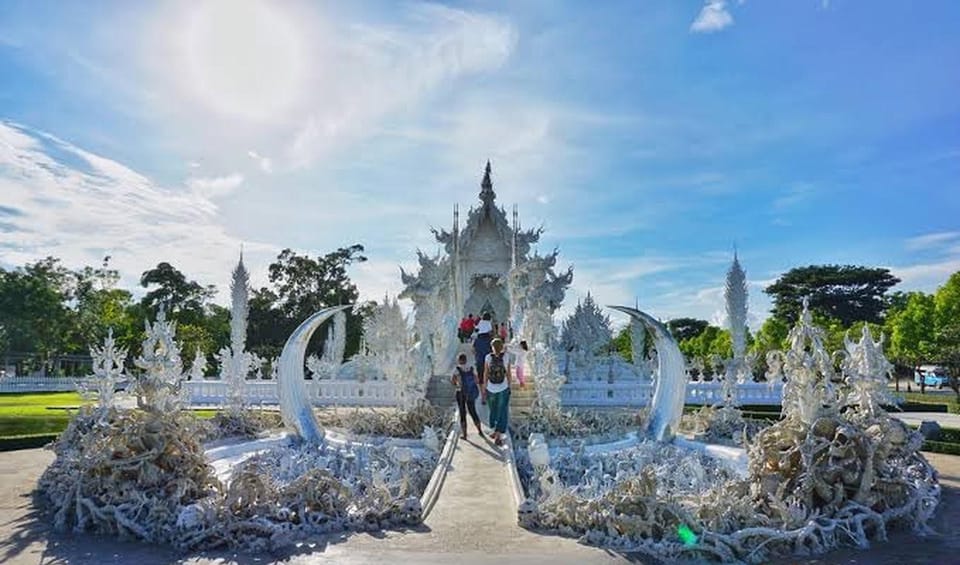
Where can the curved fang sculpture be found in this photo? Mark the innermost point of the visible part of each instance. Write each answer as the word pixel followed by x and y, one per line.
pixel 670 392
pixel 295 406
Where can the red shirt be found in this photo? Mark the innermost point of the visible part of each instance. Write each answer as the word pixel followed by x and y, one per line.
pixel 468 324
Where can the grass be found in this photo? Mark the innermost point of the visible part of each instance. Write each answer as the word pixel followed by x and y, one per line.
pixel 45 413
pixel 940 399
pixel 23 414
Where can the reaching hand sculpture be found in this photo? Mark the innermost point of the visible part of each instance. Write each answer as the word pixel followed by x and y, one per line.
pixel 295 406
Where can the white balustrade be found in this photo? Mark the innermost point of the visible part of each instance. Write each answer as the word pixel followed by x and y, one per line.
pixel 640 393
pixel 38 384
pixel 322 393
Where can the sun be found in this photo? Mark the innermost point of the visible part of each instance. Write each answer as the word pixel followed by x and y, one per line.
pixel 243 57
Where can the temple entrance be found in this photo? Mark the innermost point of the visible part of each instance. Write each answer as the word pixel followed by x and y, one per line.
pixel 488 296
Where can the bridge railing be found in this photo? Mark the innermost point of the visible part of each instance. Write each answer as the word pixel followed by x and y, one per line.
pixel 322 393
pixel 641 393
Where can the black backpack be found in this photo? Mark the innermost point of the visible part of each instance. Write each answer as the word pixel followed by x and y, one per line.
pixel 498 372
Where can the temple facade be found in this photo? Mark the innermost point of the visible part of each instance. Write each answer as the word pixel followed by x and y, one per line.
pixel 486 265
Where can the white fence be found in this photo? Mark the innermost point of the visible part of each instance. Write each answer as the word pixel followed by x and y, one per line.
pixel 383 393
pixel 322 393
pixel 640 393
pixel 38 384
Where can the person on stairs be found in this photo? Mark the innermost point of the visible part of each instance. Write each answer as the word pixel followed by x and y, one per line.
pixel 497 390
pixel 465 380
pixel 481 346
pixel 520 362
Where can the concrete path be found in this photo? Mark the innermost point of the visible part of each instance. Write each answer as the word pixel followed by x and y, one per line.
pixel 945 419
pixel 473 522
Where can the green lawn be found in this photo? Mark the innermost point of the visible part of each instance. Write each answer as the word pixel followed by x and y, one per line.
pixel 949 399
pixel 44 412
pixel 36 413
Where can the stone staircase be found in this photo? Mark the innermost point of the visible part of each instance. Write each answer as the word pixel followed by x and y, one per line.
pixel 441 393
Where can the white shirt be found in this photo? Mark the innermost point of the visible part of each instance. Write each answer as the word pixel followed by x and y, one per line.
pixel 484 327
pixel 500 387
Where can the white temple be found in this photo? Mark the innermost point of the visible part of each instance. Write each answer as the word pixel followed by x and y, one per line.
pixel 486 266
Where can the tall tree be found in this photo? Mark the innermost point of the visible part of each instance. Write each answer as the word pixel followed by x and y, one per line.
pixel 184 300
pixel 913 329
pixel 947 311
pixel 302 285
pixel 33 308
pixel 683 329
pixel 847 293
pixel 100 306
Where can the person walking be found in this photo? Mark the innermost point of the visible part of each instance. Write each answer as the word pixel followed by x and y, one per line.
pixel 465 380
pixel 497 390
pixel 481 345
pixel 520 362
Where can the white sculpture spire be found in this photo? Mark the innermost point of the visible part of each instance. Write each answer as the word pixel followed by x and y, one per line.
pixel 235 362
pixel 735 296
pixel 239 309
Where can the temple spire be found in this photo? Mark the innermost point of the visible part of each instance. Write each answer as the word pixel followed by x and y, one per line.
pixel 487 195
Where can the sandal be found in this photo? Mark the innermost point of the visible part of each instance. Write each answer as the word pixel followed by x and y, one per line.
pixel 498 442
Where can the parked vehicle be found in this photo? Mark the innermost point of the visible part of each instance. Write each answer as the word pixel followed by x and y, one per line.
pixel 932 375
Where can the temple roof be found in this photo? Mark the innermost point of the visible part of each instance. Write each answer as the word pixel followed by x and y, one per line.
pixel 489 211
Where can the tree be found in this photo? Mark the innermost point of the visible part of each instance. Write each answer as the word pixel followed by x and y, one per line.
pixel 303 285
pixel 183 299
pixel 847 293
pixel 100 306
pixel 947 312
pixel 33 308
pixel 913 337
pixel 683 329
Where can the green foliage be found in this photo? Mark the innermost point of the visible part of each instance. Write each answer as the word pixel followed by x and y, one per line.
pixel 683 329
pixel 947 311
pixel 913 330
pixel 184 300
pixel 303 285
pixel 623 344
pixel 847 293
pixel 33 308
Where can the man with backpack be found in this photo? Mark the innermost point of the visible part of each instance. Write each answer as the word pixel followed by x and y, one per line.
pixel 497 389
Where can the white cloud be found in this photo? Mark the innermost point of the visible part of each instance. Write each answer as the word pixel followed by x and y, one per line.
pixel 82 213
pixel 382 70
pixel 264 163
pixel 926 277
pixel 932 240
pixel 215 187
pixel 713 17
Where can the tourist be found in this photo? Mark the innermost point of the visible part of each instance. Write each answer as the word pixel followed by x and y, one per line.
pixel 465 329
pixel 465 380
pixel 503 332
pixel 497 389
pixel 481 347
pixel 520 362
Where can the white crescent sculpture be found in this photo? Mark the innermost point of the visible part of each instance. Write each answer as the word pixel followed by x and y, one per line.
pixel 669 394
pixel 295 406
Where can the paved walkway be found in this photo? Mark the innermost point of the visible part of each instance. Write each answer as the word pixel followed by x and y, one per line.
pixel 916 418
pixel 473 522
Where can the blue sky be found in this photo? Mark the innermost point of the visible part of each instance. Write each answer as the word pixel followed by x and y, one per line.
pixel 647 137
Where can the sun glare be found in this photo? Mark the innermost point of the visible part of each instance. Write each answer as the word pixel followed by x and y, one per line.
pixel 244 57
